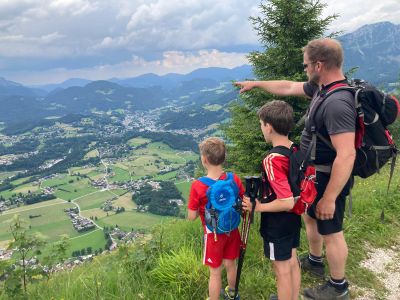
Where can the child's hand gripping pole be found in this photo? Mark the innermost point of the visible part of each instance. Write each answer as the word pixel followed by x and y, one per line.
pixel 256 181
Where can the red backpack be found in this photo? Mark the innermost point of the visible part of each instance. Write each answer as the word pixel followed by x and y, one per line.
pixel 301 178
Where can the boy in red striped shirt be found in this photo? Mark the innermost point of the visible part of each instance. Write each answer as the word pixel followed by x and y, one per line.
pixel 279 227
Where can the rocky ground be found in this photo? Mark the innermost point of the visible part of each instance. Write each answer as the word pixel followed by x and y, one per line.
pixel 385 264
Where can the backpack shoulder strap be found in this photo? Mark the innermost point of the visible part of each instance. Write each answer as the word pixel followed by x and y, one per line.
pixel 311 151
pixel 207 181
pixel 282 150
pixel 229 176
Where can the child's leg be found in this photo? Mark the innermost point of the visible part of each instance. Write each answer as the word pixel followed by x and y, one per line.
pixel 283 278
pixel 231 268
pixel 214 284
pixel 295 275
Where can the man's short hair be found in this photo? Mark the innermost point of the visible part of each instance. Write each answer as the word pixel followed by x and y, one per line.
pixel 328 51
pixel 214 150
pixel 278 114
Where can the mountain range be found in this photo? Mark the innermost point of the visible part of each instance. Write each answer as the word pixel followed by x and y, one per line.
pixel 373 49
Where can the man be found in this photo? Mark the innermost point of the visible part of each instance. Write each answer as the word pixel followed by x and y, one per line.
pixel 335 119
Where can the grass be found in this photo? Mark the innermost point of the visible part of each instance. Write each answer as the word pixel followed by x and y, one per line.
pixel 26 188
pixel 51 222
pixel 5 175
pixel 121 175
pixel 94 239
pixel 93 153
pixel 139 141
pixel 166 176
pixel 126 202
pixel 94 200
pixel 131 219
pixel 82 171
pixel 184 188
pixel 149 161
pixel 212 107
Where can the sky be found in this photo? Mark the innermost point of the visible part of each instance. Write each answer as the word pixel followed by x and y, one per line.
pixel 49 41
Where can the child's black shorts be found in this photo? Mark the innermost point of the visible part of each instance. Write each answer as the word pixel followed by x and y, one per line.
pixel 281 249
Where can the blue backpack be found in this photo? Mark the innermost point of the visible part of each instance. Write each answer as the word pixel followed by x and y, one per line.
pixel 221 214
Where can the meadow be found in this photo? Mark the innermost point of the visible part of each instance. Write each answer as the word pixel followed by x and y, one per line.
pixel 74 188
pixel 51 221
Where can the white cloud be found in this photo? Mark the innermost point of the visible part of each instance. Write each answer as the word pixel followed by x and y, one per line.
pixel 72 7
pixel 172 61
pixel 74 35
pixel 357 13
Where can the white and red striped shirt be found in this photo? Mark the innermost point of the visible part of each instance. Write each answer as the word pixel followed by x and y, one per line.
pixel 276 167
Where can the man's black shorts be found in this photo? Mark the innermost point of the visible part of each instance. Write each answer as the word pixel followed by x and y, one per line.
pixel 336 224
pixel 281 249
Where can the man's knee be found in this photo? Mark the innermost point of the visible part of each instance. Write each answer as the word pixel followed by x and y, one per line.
pixel 336 240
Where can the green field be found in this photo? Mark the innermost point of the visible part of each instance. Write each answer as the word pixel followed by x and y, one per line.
pixel 184 188
pixel 212 107
pixel 67 190
pixel 19 188
pixel 130 219
pixel 93 153
pixel 166 176
pixel 121 175
pixel 51 223
pixel 135 142
pixel 94 200
pixel 150 160
pixel 5 175
pixel 94 239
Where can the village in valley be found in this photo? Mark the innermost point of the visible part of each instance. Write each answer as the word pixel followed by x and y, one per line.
pixel 86 187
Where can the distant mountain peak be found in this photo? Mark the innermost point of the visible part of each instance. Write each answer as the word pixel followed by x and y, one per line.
pixel 7 83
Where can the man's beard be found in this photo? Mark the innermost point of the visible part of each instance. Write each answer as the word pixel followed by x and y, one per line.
pixel 314 78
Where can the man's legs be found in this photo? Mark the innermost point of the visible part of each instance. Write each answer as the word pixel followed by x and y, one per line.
pixel 315 240
pixel 214 284
pixel 336 254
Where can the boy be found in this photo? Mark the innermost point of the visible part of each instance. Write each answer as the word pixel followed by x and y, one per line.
pixel 225 248
pixel 279 227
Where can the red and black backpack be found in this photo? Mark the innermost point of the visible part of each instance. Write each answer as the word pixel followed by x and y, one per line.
pixel 301 178
pixel 374 144
pixel 375 111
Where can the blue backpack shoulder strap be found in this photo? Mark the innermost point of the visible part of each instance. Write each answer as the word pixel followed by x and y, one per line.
pixel 207 181
pixel 229 176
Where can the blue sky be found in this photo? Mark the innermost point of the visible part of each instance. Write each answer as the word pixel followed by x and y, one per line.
pixel 49 41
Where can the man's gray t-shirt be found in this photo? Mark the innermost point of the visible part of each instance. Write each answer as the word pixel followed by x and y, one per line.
pixel 334 114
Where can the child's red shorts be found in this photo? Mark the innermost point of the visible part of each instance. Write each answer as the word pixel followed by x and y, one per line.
pixel 227 246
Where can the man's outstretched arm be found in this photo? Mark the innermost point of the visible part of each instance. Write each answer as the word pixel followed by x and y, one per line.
pixel 276 87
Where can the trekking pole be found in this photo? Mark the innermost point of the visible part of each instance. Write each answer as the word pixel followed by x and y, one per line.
pixel 252 187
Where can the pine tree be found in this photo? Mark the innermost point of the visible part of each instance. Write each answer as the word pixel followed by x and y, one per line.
pixel 283 27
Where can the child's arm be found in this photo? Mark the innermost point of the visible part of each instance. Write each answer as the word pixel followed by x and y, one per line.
pixel 193 204
pixel 192 214
pixel 277 205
